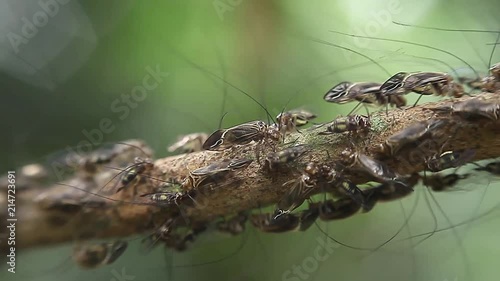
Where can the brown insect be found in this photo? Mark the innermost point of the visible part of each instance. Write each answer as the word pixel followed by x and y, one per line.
pixel 242 134
pixel 214 173
pixel 234 225
pixel 276 159
pixel 364 92
pixel 471 109
pixel 289 121
pixel 450 159
pixel 412 134
pixel 95 255
pixel 423 83
pixel 351 123
pixel 438 182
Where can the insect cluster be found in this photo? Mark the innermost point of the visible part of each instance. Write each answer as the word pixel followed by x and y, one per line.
pixel 275 152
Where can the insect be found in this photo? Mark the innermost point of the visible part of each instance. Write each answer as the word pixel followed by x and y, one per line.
pixel 312 176
pixel 286 222
pixel 234 225
pixel 95 255
pixel 242 134
pixel 489 83
pixel 353 191
pixel 392 190
pixel 132 172
pixel 450 159
pixel 286 155
pixel 350 123
pixel 438 182
pixel 492 167
pixel 339 209
pixel 189 143
pixel 413 133
pixel 210 175
pixel 423 83
pixel 375 168
pixel 288 121
pixel 364 92
pixel 472 108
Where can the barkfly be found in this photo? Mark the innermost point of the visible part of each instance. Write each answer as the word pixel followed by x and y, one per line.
pixel 339 209
pixel 363 92
pixel 286 222
pixel 492 168
pixel 350 123
pixel 438 182
pixel 312 176
pixel 392 190
pixel 289 121
pixel 212 174
pixel 472 108
pixel 423 83
pixel 132 172
pixel 378 170
pixel 412 134
pixel 234 225
pixel 286 155
pixel 90 256
pixel 450 159
pixel 189 143
pixel 257 131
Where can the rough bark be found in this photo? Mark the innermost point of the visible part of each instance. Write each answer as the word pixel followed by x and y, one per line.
pixel 246 189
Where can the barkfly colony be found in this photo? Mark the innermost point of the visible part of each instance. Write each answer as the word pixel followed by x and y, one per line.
pixel 272 150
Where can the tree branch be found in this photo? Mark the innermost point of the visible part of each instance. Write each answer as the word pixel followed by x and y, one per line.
pixel 83 215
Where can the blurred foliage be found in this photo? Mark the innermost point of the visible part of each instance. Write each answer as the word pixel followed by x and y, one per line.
pixel 264 48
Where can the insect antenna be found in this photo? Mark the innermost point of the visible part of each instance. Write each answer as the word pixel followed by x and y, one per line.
pixel 410 43
pixel 355 52
pixel 199 67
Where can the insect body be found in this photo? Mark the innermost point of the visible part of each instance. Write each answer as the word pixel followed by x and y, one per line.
pixel 424 83
pixel 132 172
pixel 450 159
pixel 95 255
pixel 214 173
pixel 234 225
pixel 312 176
pixel 364 92
pixel 439 182
pixel 351 123
pixel 288 121
pixel 472 108
pixel 286 222
pixel 240 135
pixel 493 168
pixel 339 209
pixel 189 143
pixel 285 156
pixel 413 133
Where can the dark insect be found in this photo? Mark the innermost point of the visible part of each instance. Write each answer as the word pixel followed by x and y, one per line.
pixel 492 168
pixel 286 222
pixel 285 156
pixel 189 143
pixel 312 176
pixel 242 134
pixel 392 190
pixel 270 223
pixel 450 159
pixel 289 121
pixel 472 108
pixel 234 225
pixel 413 133
pixel 351 123
pixel 438 182
pixel 376 169
pixel 364 92
pixel 95 255
pixel 423 83
pixel 214 173
pixel 353 191
pixel 338 209
pixel 132 172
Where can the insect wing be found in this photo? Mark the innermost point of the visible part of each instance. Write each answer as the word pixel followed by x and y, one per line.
pixel 394 85
pixel 339 93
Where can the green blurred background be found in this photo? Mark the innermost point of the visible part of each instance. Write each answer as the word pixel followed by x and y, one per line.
pixel 74 70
